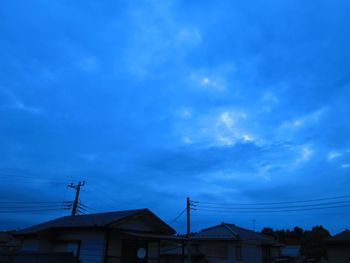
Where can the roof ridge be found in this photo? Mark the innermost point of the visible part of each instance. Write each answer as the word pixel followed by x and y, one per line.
pixel 111 212
pixel 251 231
pixel 246 229
pixel 230 229
pixel 208 228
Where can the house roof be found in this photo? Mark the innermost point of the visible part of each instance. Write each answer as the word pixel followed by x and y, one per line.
pixel 226 231
pixel 93 220
pixel 340 237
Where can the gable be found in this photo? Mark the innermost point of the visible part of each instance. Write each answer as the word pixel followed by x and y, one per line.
pixel 216 232
pixel 137 224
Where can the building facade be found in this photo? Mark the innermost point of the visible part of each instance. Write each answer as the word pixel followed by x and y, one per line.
pixel 226 243
pixel 118 237
pixel 338 248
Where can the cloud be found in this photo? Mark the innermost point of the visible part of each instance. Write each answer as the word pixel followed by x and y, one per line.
pixel 306 153
pixel 158 38
pixel 309 119
pixel 219 128
pixel 15 103
pixel 213 79
pixel 302 126
pixel 333 155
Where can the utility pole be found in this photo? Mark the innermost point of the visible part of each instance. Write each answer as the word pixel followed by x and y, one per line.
pixel 188 209
pixel 77 192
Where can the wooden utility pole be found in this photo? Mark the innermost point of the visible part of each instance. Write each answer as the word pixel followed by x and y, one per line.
pixel 77 192
pixel 188 208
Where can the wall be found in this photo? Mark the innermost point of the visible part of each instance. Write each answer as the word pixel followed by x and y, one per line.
pixel 339 254
pixel 218 252
pixel 92 244
pixel 30 244
pixel 115 247
pixel 251 252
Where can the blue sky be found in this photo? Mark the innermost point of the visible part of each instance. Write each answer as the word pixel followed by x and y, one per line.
pixel 153 101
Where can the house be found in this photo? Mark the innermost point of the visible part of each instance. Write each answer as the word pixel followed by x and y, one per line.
pixel 338 247
pixel 7 242
pixel 116 237
pixel 8 245
pixel 230 243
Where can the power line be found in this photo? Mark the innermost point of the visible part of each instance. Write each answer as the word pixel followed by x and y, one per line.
pixel 269 211
pixel 178 216
pixel 30 206
pixel 273 203
pixel 11 176
pixel 27 176
pixel 272 207
pixel 29 211
pixel 30 202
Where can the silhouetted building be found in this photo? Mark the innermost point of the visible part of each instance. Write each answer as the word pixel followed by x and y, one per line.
pixel 8 242
pixel 116 237
pixel 338 247
pixel 229 243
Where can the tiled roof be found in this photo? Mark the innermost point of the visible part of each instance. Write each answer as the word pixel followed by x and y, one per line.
pixel 91 220
pixel 232 232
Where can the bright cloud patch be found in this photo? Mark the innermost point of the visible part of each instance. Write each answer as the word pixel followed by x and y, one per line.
pixel 333 155
pixel 215 79
pixel 222 128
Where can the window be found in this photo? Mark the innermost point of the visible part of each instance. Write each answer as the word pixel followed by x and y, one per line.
pixel 238 253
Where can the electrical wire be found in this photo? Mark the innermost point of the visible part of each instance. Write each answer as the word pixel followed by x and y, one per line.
pixel 31 203
pixel 269 211
pixel 273 207
pixel 29 211
pixel 30 206
pixel 178 216
pixel 273 203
